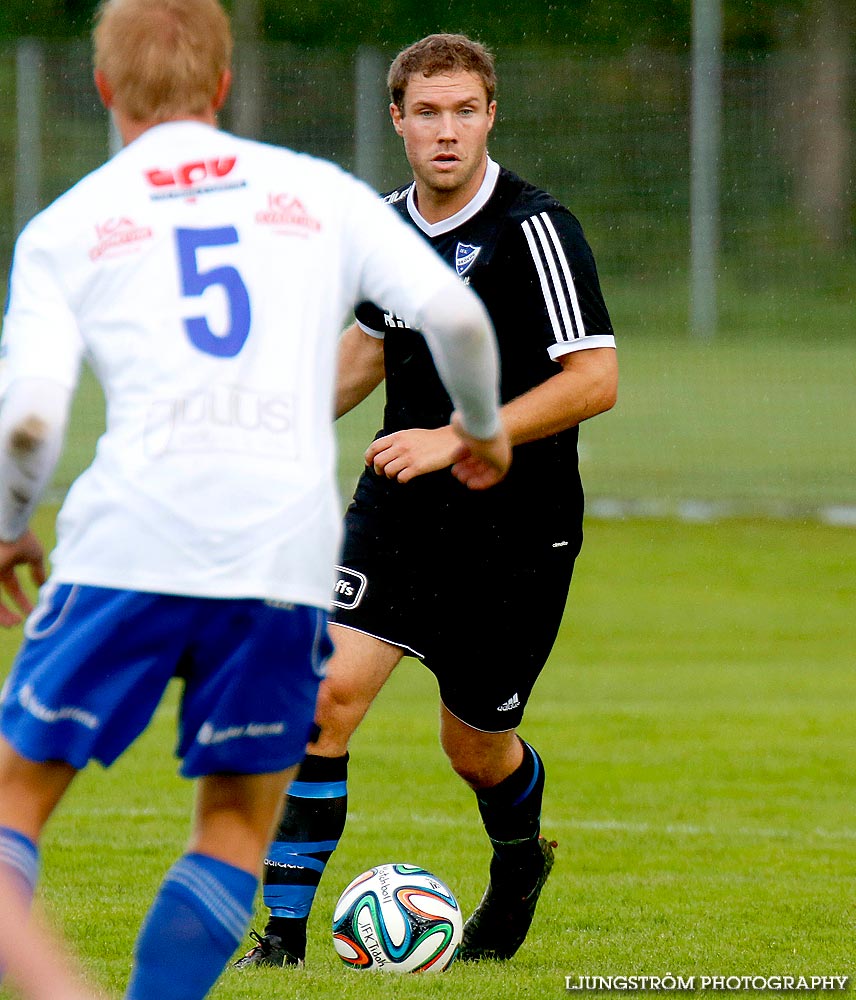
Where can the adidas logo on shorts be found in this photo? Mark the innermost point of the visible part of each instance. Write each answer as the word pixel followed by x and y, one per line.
pixel 513 702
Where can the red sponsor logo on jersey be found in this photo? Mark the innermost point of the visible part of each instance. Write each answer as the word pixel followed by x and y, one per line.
pixel 287 212
pixel 191 174
pixel 117 236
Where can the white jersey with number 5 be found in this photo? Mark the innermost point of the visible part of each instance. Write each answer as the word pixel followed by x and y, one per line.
pixel 205 278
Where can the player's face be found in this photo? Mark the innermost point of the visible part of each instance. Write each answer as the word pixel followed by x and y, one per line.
pixel 445 123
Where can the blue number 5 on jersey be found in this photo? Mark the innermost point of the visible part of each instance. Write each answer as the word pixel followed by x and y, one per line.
pixel 194 282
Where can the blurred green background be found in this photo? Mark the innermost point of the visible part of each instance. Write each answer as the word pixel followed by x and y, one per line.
pixel 595 104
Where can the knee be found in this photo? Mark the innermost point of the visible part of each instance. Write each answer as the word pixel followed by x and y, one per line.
pixel 471 771
pixel 477 769
pixel 338 697
pixel 485 760
pixel 340 708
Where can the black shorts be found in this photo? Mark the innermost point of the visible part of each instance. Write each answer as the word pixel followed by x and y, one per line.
pixel 475 587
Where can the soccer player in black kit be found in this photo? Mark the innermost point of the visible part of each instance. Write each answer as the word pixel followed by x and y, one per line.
pixel 424 557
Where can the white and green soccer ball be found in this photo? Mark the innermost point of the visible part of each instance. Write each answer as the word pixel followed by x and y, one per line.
pixel 397 918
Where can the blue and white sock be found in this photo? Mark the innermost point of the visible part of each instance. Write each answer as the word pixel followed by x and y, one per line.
pixel 194 925
pixel 19 856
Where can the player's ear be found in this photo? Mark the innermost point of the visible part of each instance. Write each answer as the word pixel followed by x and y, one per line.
pixel 396 115
pixel 223 88
pixel 105 91
pixel 491 114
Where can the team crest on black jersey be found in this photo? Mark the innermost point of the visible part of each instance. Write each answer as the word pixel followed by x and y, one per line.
pixel 465 257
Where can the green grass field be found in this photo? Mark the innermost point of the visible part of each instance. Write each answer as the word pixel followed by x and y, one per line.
pixel 697 722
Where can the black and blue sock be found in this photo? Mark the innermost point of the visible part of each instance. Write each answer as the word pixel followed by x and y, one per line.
pixel 312 823
pixel 511 813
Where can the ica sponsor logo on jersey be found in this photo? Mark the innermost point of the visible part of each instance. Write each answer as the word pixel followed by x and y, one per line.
pixel 465 257
pixel 287 214
pixel 118 236
pixel 349 588
pixel 196 177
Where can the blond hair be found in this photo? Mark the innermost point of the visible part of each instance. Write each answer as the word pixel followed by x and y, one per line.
pixel 442 53
pixel 163 59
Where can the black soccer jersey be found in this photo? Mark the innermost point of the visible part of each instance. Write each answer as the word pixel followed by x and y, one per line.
pixel 526 256
pixel 474 583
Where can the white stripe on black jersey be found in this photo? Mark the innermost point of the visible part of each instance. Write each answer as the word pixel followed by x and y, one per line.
pixel 557 282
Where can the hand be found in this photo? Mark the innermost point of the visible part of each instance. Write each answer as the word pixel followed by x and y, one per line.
pixel 481 464
pixel 404 455
pixel 26 550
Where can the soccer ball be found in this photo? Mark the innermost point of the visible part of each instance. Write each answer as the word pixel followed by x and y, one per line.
pixel 397 918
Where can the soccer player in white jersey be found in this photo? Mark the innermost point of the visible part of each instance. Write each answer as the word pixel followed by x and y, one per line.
pixel 206 279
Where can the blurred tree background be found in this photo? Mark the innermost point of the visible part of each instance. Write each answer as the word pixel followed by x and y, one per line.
pixel 820 144
pixel 595 104
pixel 749 25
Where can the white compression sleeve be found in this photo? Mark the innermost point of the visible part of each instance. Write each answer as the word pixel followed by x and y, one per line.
pixel 33 418
pixel 460 334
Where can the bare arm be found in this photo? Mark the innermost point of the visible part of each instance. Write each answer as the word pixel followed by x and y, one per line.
pixel 359 369
pixel 32 424
pixel 33 418
pixel 586 385
pixel 459 333
pixel 25 551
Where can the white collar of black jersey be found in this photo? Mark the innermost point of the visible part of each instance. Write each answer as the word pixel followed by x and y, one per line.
pixel 476 203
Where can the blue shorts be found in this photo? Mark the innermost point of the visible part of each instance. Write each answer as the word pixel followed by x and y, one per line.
pixel 96 662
